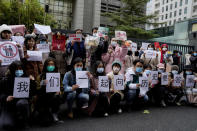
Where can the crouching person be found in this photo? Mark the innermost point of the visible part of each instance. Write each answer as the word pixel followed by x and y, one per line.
pixel 175 86
pixel 72 90
pixel 47 104
pixel 15 111
pixel 132 92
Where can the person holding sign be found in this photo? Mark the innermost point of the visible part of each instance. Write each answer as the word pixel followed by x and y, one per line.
pixel 47 104
pixel 115 95
pixel 99 103
pixel 150 56
pixel 9 50
pixel 176 84
pixel 132 75
pixel 33 68
pixel 15 108
pixel 72 90
pixel 116 51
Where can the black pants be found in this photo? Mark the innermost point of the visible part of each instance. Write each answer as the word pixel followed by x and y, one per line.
pixel 115 102
pixel 102 105
pixel 158 93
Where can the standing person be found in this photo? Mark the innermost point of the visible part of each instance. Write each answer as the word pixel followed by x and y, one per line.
pixel 78 49
pixel 72 90
pixel 33 68
pixel 193 60
pixel 5 35
pixel 187 58
pixel 115 52
pixel 47 104
pixel 15 111
pixel 129 58
pixel 99 104
pixel 176 57
pixel 177 91
pixel 132 92
pixel 115 95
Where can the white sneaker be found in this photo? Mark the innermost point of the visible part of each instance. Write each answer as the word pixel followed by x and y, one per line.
pixel 120 111
pixel 55 118
pixel 106 115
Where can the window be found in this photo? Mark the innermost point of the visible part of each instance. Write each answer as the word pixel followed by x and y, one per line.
pixel 171 6
pixel 186 2
pixel 175 4
pixel 166 8
pixel 179 19
pixel 181 1
pixel 162 9
pixel 185 10
pixel 162 17
pixel 180 11
pixel 170 22
pixel 163 2
pixel 174 21
pixel 170 14
pixel 166 16
pixel 166 1
pixel 174 13
pixel 185 18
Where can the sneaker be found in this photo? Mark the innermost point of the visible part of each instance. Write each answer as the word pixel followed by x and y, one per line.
pixel 106 115
pixel 55 118
pixel 119 111
pixel 178 103
pixel 70 115
pixel 163 104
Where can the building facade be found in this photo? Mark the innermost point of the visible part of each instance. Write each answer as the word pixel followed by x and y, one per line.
pixel 168 12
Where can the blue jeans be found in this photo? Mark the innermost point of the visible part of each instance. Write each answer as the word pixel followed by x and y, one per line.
pixel 83 99
pixel 133 94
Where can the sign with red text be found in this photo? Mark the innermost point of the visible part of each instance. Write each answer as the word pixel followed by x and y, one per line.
pixel 75 37
pixel 121 35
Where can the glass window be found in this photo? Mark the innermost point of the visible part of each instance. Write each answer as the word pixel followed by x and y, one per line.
pixel 170 14
pixel 166 16
pixel 175 4
pixel 186 1
pixel 171 6
pixel 162 9
pixel 166 8
pixel 180 11
pixel 174 13
pixel 185 10
pixel 181 1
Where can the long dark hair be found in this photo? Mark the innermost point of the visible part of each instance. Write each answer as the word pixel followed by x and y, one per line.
pixel 76 60
pixel 44 71
pixel 94 69
pixel 26 42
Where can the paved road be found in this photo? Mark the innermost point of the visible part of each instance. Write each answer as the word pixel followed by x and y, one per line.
pixel 167 119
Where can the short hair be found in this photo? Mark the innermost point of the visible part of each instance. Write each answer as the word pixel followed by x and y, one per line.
pixel 138 60
pixel 147 66
pixel 95 28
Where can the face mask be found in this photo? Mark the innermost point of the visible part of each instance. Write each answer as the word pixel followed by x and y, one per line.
pixel 78 69
pixel 94 34
pixel 164 49
pixel 100 70
pixel 116 69
pixel 43 42
pixel 138 69
pixel 195 54
pixel 87 47
pixel 160 70
pixel 148 72
pixel 19 73
pixel 113 43
pixel 150 48
pixel 188 72
pixel 50 68
pixel 174 72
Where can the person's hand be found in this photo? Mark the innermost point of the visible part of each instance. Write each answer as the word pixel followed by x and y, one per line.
pixel 109 51
pixel 45 82
pixel 144 54
pixel 26 56
pixel 157 55
pixel 73 42
pixel 10 98
pixel 18 45
pixel 89 74
pixel 138 85
pixel 57 93
pixel 31 78
pixel 111 91
pixel 74 87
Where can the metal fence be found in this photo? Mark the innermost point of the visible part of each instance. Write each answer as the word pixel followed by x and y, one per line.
pixel 171 47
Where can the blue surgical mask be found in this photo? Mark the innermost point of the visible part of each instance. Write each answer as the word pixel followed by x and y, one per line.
pixel 188 72
pixel 174 72
pixel 150 48
pixel 78 69
pixel 138 69
pixel 160 70
pixel 148 72
pixel 43 42
pixel 100 70
pixel 50 68
pixel 19 73
pixel 195 54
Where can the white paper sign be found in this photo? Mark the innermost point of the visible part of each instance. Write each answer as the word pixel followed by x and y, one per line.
pixel 134 46
pixel 121 35
pixel 42 29
pixel 8 52
pixel 144 85
pixel 43 47
pixel 102 31
pixel 118 82
pixel 154 77
pixel 82 79
pixel 75 37
pixel 53 84
pixel 103 84
pixel 18 39
pixel 150 54
pixel 177 80
pixel 145 45
pixel 190 81
pixel 164 78
pixel 34 55
pixel 21 87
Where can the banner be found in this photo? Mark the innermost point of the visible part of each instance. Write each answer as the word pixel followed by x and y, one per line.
pixel 8 52
pixel 58 42
pixel 103 84
pixel 145 46
pixel 18 39
pixel 102 31
pixel 150 54
pixel 164 78
pixel 42 29
pixel 34 55
pixel 21 87
pixel 75 37
pixel 43 47
pixel 121 35
pixel 18 28
pixel 154 77
pixel 53 84
pixel 144 85
pixel 82 79
pixel 133 46
pixel 118 82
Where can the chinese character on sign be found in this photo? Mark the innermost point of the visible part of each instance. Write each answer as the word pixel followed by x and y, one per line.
pixel 118 82
pixel 54 80
pixel 22 86
pixel 144 83
pixel 53 84
pixel 103 84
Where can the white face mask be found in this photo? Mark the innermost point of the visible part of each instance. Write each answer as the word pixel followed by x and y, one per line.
pixel 116 69
pixel 113 43
pixel 150 48
pixel 95 34
pixel 164 49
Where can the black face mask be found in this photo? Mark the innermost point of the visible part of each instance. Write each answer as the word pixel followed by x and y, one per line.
pixel 129 53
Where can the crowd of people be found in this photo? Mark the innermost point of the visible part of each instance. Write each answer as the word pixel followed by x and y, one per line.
pixel 109 58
